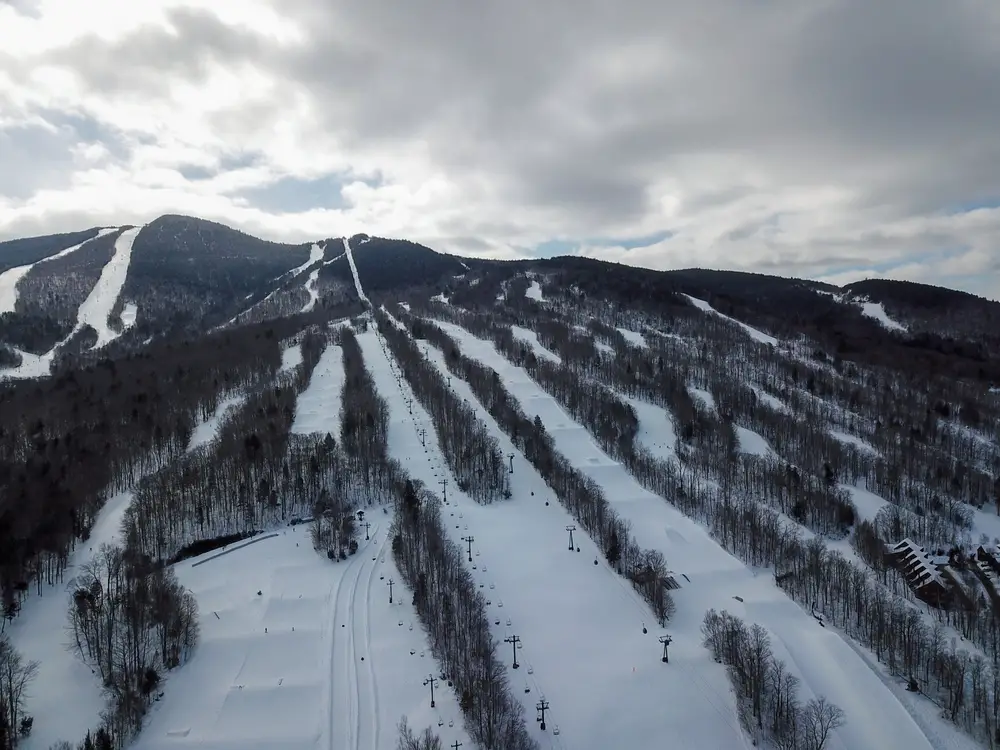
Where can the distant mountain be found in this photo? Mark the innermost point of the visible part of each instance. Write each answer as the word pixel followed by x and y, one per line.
pixel 183 276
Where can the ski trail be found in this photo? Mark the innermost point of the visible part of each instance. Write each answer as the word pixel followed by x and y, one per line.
pixel 362 626
pixel 315 255
pixel 10 278
pixel 102 298
pixel 343 657
pixel 311 288
pixel 354 272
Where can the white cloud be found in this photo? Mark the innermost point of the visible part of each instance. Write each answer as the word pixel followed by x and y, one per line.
pixel 800 137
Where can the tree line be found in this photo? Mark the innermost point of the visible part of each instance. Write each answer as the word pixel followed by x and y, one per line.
pixel 766 691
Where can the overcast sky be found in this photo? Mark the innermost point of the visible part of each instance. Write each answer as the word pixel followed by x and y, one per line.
pixel 819 138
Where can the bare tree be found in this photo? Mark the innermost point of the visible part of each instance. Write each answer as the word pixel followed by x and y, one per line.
pixel 819 718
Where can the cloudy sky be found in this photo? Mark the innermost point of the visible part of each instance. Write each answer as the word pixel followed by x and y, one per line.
pixel 833 139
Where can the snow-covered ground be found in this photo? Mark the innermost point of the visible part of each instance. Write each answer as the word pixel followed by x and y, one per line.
pixel 291 357
pixel 534 291
pixel 751 442
pixel 705 397
pixel 754 333
pixel 310 287
pixel 208 430
pixel 531 339
pixel 711 577
pixel 354 271
pixel 634 338
pixel 848 439
pixel 656 427
pixel 315 256
pixel 129 314
pixel 97 307
pixel 10 278
pixel 66 696
pixel 318 408
pixel 535 583
pixel 866 503
pixel 441 298
pixel 297 652
pixel 876 311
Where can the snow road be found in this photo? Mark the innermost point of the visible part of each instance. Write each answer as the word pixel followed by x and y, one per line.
pixel 875 718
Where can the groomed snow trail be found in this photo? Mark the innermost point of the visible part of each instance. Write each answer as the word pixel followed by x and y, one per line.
pixel 753 333
pixel 97 307
pixel 557 601
pixel 318 408
pixel 9 279
pixel 315 255
pixel 875 718
pixel 354 271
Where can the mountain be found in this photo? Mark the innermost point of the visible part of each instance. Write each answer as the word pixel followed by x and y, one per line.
pixel 278 494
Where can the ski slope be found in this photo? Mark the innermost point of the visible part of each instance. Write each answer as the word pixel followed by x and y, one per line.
pixel 66 696
pixel 876 311
pixel 354 271
pixel 318 658
pixel 755 334
pixel 559 603
pixel 97 307
pixel 318 408
pixel 712 577
pixel 206 431
pixel 10 278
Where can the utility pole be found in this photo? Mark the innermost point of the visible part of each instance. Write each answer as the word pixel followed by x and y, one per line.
pixel 444 489
pixel 666 640
pixel 511 457
pixel 449 381
pixel 455 745
pixel 423 437
pixel 542 706
pixel 469 540
pixel 391 582
pixel 513 641
pixel 571 529
pixel 431 681
pixel 367 526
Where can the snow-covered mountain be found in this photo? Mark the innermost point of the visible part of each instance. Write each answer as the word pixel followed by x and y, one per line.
pixel 281 494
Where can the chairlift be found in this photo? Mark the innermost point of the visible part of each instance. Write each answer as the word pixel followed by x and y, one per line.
pixel 526 688
pixel 492 585
pixel 531 669
pixel 555 729
pixel 440 722
pixel 508 624
pixel 451 723
pixel 500 603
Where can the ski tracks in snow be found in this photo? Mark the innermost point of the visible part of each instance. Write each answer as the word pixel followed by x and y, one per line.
pixel 357 708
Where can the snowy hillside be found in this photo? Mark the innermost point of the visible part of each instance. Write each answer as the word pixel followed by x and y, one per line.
pixel 577 518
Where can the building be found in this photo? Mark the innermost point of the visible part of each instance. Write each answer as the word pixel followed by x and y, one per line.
pixel 921 571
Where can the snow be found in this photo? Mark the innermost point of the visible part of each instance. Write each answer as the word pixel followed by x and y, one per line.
pixel 691 683
pixel 284 670
pixel 315 256
pixel 318 408
pixel 752 443
pixel 775 403
pixel 876 311
pixel 634 338
pixel 441 298
pixel 66 696
pixel 291 357
pixel 354 271
pixel 129 313
pixel 102 298
pixel 604 348
pixel 700 394
pixel 866 503
pixel 531 338
pixel 32 365
pixel 10 278
pixel 534 292
pixel 755 334
pixel 847 438
pixel 311 288
pixel 656 428
pixel 205 432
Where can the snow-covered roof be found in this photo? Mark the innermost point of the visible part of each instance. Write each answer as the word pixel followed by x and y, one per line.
pixel 918 565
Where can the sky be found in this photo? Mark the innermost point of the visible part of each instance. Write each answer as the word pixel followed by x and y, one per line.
pixel 829 139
